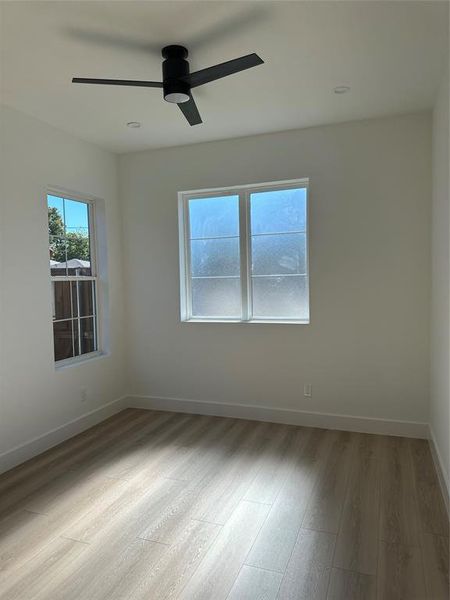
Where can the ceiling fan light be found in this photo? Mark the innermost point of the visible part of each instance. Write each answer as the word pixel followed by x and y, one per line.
pixel 177 97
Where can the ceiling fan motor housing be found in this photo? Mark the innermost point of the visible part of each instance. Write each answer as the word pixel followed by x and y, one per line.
pixel 174 68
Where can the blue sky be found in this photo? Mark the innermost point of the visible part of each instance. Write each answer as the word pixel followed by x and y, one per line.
pixel 76 213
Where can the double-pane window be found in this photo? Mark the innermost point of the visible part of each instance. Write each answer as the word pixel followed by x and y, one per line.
pixel 244 253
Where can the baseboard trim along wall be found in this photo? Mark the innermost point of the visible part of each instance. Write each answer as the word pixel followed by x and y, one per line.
pixel 282 415
pixel 37 445
pixel 440 469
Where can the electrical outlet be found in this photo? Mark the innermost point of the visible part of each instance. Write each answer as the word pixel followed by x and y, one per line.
pixel 84 395
pixel 307 390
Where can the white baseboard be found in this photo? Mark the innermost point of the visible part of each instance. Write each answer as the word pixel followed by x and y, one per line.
pixel 440 469
pixel 39 444
pixel 282 415
pixel 35 446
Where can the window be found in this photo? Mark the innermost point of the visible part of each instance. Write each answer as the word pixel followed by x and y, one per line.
pixel 73 277
pixel 244 253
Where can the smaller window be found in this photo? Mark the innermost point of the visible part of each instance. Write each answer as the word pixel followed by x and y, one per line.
pixel 73 277
pixel 244 253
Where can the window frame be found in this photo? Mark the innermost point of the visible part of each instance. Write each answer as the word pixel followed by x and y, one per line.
pixel 92 220
pixel 244 192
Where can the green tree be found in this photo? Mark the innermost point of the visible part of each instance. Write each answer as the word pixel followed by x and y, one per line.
pixel 77 246
pixel 76 242
pixel 55 222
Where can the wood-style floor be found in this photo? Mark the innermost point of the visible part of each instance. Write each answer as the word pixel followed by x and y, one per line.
pixel 152 505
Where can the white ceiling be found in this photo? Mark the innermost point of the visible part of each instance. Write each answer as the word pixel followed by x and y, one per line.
pixel 390 53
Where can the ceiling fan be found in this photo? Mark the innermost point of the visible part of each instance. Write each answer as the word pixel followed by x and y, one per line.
pixel 178 81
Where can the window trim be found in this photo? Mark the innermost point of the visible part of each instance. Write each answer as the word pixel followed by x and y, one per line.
pixel 91 201
pixel 244 192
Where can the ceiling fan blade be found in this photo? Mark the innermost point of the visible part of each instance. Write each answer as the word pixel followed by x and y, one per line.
pixel 131 82
pixel 190 111
pixel 223 70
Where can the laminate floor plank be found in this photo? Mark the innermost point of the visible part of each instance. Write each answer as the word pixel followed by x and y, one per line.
pixel 54 455
pixel 98 574
pixel 205 484
pixel 211 579
pixel 274 544
pixel 317 442
pixel 17 533
pixel 151 505
pixel 10 499
pixel 400 573
pixel 217 504
pixel 163 427
pixel 432 512
pixel 159 454
pixel 127 515
pixel 357 542
pixel 277 466
pixel 308 571
pixel 255 584
pixel 399 515
pixel 173 569
pixel 155 455
pixel 35 534
pixel 119 459
pixel 60 491
pixel 46 571
pixel 435 554
pixel 197 436
pixel 324 509
pixel 192 444
pixel 218 446
pixel 348 585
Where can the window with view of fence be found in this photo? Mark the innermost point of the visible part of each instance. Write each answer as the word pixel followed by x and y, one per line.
pixel 73 276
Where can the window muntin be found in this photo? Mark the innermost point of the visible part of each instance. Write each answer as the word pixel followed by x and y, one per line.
pixel 244 253
pixel 73 277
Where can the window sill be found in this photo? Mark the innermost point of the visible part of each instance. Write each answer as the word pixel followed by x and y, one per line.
pixel 79 360
pixel 252 322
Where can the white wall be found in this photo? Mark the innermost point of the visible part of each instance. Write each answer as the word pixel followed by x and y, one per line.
pixel 440 296
pixel 366 351
pixel 34 397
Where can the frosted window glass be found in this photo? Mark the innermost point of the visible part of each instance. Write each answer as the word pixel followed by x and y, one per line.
pixel 278 297
pixel 270 226
pixel 279 254
pixel 215 297
pixel 279 210
pixel 214 217
pixel 216 257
